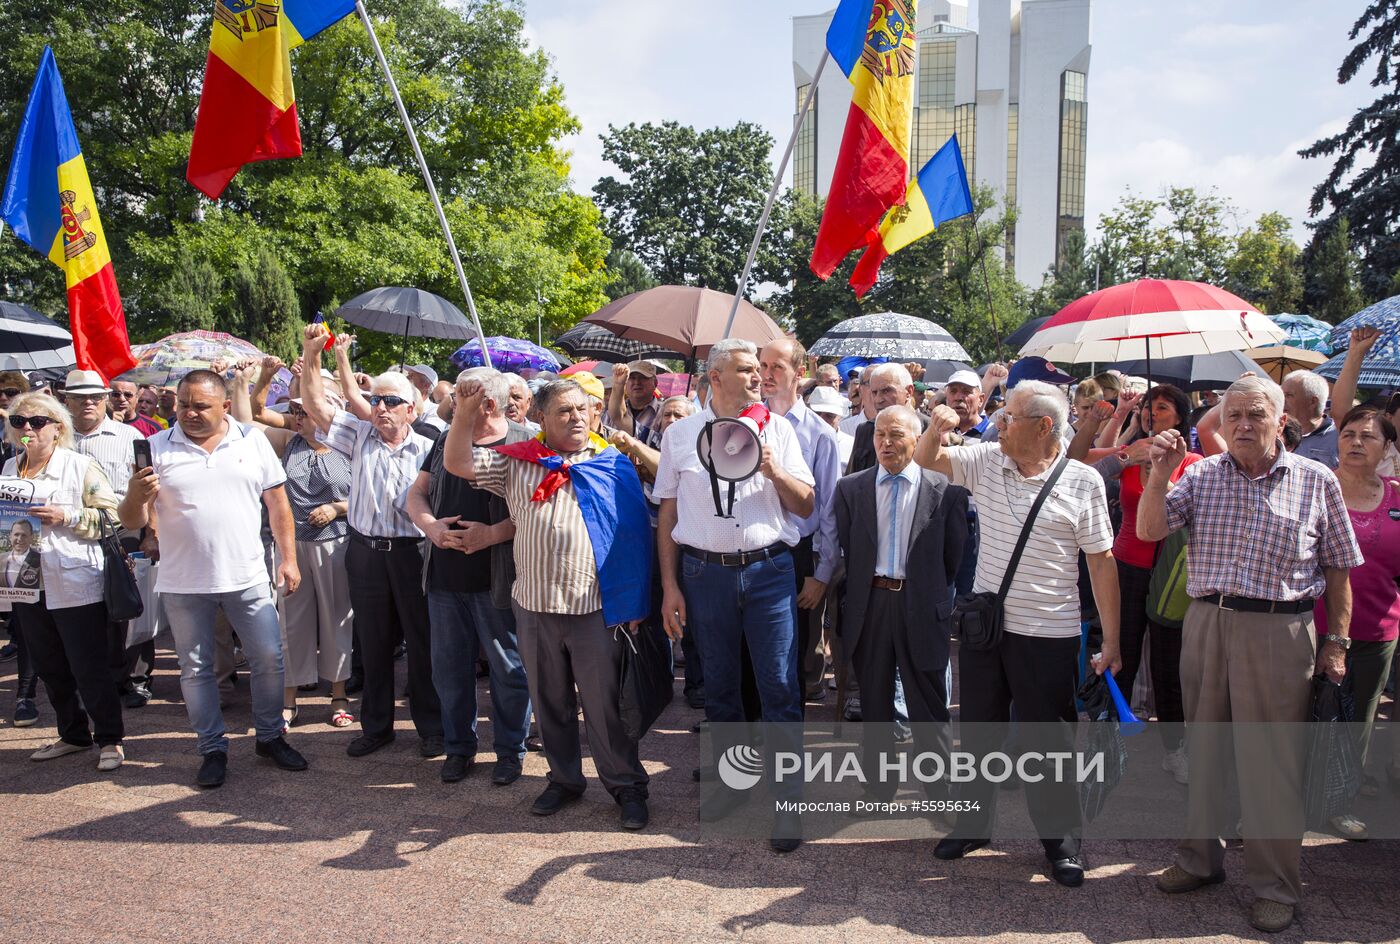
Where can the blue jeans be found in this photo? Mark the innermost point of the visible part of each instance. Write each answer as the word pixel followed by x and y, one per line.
pixel 464 625
pixel 758 604
pixel 253 616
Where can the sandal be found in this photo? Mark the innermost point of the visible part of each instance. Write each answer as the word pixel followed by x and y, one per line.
pixel 341 717
pixel 289 719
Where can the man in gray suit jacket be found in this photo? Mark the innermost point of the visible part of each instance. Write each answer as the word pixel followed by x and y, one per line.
pixel 902 530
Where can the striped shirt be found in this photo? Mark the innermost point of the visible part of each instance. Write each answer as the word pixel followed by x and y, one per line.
pixel 109 445
pixel 555 570
pixel 379 475
pixel 1267 538
pixel 1044 596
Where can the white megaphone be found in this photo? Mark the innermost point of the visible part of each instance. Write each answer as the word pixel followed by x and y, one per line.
pixel 729 447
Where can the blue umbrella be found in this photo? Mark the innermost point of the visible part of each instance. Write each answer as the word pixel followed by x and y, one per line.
pixel 1305 331
pixel 1381 368
pixel 507 354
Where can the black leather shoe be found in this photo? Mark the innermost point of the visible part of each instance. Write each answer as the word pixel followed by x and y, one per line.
pixel 506 771
pixel 695 698
pixel 431 746
pixel 456 767
pixel 553 799
pixel 367 744
pixel 633 801
pixel 137 697
pixel 787 833
pixel 950 848
pixel 1068 872
pixel 282 754
pixel 213 770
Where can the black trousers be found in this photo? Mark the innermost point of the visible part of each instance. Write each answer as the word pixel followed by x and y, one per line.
pixel 69 650
pixel 1040 675
pixel 1163 642
pixel 386 592
pixel 27 682
pixel 883 647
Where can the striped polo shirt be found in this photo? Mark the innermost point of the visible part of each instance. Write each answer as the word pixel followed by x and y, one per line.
pixel 555 570
pixel 379 475
pixel 1044 596
pixel 109 445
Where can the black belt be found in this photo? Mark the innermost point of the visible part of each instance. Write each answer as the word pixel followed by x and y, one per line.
pixel 738 558
pixel 382 544
pixel 1251 605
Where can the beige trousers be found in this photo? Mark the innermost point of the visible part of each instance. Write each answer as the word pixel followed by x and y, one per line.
pixel 1245 685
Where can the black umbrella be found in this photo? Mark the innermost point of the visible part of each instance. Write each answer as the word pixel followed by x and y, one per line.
pixel 936 371
pixel 1018 338
pixel 31 341
pixel 1195 371
pixel 408 312
pixel 586 341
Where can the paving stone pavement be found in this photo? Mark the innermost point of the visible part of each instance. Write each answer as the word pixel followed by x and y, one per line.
pixel 379 849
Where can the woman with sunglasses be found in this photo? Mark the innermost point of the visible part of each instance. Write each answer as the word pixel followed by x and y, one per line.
pixel 317 621
pixel 66 629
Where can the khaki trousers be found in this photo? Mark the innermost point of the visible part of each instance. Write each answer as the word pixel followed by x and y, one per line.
pixel 1239 671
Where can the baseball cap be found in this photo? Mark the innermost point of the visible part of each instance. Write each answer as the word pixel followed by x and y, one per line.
pixel 826 400
pixel 425 371
pixel 968 378
pixel 645 368
pixel 1036 368
pixel 84 382
pixel 590 383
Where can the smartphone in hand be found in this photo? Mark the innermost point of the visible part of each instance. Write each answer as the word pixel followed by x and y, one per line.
pixel 141 453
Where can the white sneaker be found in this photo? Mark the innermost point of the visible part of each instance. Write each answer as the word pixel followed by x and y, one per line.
pixel 1349 827
pixel 58 749
pixel 1175 764
pixel 111 757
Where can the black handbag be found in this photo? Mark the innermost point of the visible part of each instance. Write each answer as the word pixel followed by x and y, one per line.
pixel 977 617
pixel 646 679
pixel 119 587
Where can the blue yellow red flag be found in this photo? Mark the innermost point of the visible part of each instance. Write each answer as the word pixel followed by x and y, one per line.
pixel 48 201
pixel 873 43
pixel 940 193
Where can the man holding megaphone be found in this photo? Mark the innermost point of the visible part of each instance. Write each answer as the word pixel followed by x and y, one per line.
pixel 733 488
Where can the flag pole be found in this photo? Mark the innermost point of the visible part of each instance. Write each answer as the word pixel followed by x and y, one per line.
pixel 773 192
pixel 427 178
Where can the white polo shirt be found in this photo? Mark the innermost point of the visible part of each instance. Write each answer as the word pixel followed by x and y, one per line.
pixel 759 519
pixel 1044 596
pixel 208 510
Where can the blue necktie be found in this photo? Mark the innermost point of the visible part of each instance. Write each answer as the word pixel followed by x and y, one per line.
pixel 894 481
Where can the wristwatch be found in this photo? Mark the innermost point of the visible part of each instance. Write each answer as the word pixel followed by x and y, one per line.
pixel 1343 641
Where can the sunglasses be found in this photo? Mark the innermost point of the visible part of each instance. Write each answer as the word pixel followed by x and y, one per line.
pixel 389 401
pixel 33 422
pixel 11 392
pixel 116 395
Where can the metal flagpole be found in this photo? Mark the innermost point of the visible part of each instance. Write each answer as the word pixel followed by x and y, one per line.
pixel 773 192
pixel 427 179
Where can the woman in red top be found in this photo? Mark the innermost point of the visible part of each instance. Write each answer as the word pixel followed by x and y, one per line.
pixel 1165 408
pixel 1364 437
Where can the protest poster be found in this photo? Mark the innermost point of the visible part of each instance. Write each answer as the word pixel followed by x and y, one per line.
pixel 21 540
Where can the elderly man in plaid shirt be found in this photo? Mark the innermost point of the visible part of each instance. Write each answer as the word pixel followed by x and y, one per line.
pixel 1269 534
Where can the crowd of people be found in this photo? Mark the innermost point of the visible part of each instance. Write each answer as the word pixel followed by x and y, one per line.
pixel 525 529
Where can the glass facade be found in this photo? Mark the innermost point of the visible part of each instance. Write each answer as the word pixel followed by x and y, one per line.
pixel 1013 121
pixel 1074 132
pixel 804 151
pixel 936 118
pixel 965 124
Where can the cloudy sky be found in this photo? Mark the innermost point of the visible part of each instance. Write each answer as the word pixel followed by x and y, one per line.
pixel 1200 92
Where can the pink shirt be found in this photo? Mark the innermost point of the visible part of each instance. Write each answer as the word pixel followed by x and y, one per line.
pixel 1375 599
pixel 1128 547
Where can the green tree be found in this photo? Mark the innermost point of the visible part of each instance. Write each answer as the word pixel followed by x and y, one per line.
pixel 1196 230
pixel 1265 268
pixel 1363 186
pixel 266 311
pixel 1334 276
pixel 688 201
pixel 352 213
pixel 1132 239
pixel 626 274
pixel 1071 277
pixel 805 301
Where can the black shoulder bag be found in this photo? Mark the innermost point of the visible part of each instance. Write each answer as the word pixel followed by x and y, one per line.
pixel 120 590
pixel 977 617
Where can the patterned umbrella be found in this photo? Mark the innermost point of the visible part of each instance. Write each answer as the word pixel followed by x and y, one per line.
pixel 1381 368
pixel 1306 332
pixel 509 354
pixel 164 362
pixel 586 340
pixel 898 337
pixel 31 341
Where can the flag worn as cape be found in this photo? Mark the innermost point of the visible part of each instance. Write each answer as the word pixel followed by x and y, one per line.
pixel 614 510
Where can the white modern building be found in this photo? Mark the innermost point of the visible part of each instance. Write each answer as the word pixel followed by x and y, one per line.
pixel 1015 91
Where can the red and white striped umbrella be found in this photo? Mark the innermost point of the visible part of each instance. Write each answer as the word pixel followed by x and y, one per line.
pixel 1152 319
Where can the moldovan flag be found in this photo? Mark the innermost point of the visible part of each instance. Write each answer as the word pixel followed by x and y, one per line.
pixel 873 43
pixel 247 108
pixel 940 193
pixel 49 203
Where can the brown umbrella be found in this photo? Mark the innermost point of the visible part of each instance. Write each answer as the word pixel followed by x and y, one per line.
pixel 684 319
pixel 1279 361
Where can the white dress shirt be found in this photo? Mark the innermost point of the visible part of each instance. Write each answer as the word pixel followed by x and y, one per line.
pixel 895 519
pixel 759 519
